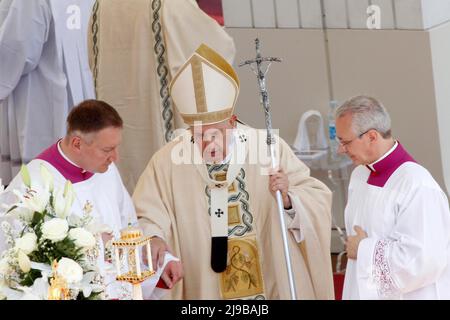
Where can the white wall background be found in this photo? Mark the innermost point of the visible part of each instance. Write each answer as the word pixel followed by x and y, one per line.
pixel 406 65
pixel 345 14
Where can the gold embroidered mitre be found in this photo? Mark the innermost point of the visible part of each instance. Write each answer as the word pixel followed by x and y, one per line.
pixel 205 88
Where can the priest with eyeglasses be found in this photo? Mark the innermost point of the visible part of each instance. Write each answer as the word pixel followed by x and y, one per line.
pixel 397 216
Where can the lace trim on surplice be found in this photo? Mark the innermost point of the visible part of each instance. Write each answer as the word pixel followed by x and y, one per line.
pixel 381 271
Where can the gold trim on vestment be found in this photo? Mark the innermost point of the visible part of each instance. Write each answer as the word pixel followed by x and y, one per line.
pixel 234 214
pixel 199 85
pixel 205 55
pixel 221 176
pixel 243 276
pixel 218 61
pixel 207 117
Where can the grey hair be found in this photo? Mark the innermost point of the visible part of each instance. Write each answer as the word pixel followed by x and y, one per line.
pixel 367 113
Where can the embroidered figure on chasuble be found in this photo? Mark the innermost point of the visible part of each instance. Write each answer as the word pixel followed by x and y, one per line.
pixel 243 276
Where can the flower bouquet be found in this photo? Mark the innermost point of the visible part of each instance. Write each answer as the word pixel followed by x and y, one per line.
pixel 50 248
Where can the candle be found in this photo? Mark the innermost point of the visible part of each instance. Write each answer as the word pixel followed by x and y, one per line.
pixel 117 261
pixel 138 262
pixel 149 256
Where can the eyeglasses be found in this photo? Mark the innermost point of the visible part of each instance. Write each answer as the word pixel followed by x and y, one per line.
pixel 347 143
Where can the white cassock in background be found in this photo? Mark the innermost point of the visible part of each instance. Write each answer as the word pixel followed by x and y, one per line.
pixel 4 8
pixel 44 72
pixel 406 253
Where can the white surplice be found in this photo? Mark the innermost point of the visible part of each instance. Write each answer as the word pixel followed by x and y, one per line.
pixel 4 8
pixel 44 72
pixel 406 216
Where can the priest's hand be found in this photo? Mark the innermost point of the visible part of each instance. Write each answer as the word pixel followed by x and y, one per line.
pixel 279 181
pixel 106 237
pixel 352 243
pixel 159 248
pixel 173 272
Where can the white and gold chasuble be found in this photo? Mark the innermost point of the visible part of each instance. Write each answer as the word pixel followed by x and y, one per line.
pixel 176 199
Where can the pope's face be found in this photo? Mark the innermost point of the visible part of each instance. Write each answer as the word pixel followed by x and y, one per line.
pixel 355 145
pixel 101 150
pixel 213 140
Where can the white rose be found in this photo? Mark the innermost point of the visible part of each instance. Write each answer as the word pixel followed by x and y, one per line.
pixel 28 243
pixel 24 261
pixel 70 270
pixel 82 238
pixel 55 229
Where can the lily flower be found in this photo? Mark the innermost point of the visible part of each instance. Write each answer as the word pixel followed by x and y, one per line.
pixel 47 178
pixel 61 204
pixel 35 200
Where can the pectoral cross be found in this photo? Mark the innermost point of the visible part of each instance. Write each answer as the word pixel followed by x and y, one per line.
pixel 219 212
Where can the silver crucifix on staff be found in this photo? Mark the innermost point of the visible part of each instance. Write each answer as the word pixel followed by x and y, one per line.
pixel 261 72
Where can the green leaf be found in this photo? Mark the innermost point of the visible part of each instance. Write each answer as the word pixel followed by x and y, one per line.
pixel 65 248
pixel 11 209
pixel 37 217
pixel 93 296
pixel 30 276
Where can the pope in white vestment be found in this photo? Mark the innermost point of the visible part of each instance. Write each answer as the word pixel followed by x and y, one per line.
pixel 221 218
pixel 399 213
pixel 44 72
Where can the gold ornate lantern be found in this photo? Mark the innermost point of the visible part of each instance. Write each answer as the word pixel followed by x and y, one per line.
pixel 131 240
